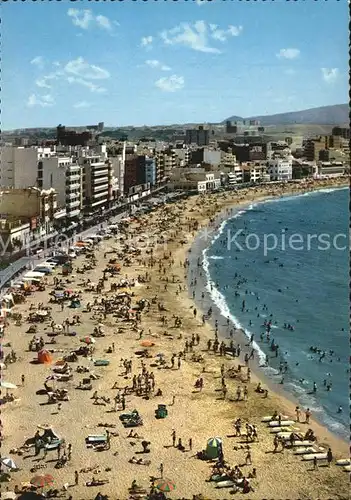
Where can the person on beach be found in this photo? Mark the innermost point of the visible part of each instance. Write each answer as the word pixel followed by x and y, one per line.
pixel 298 413
pixel 329 457
pixel 307 416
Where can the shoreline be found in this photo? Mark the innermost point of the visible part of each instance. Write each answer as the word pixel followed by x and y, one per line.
pixel 192 413
pixel 197 252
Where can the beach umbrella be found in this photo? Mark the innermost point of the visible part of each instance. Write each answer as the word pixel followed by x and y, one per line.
pixel 8 385
pixel 42 480
pixel 147 343
pixel 88 340
pixel 165 485
pixel 9 463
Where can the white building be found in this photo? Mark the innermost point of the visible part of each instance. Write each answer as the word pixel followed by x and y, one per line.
pixel 195 179
pixel 96 182
pixel 18 167
pixel 280 169
pixel 184 156
pixel 118 169
pixel 64 175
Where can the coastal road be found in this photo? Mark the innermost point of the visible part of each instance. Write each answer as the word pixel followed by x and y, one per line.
pixel 29 262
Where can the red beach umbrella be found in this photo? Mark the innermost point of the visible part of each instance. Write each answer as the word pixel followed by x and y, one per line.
pixel 42 480
pixel 165 485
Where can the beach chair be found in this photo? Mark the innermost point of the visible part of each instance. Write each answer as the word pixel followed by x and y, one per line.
pixel 96 439
pixel 101 362
pixel 161 411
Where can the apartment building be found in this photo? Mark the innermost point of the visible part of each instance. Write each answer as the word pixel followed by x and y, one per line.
pixel 18 167
pixel 195 179
pixel 280 169
pixel 183 156
pixel 312 147
pixel 34 206
pixel 117 158
pixel 150 171
pixel 199 136
pixel 330 169
pixel 206 155
pixel 97 181
pixel 254 172
pixel 342 132
pixel 165 162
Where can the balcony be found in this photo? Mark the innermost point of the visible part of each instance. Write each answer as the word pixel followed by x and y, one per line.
pixel 72 195
pixel 99 180
pixel 96 203
pixel 100 187
pixel 72 177
pixel 73 168
pixel 73 213
pixel 100 171
pixel 103 194
pixel 72 204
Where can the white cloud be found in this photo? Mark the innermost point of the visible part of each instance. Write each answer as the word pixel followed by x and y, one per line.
pixel 290 71
pixel 43 101
pixel 198 35
pixel 330 75
pixel 85 19
pixel 38 61
pixel 41 82
pixel 146 41
pixel 83 69
pixel 104 22
pixel 171 83
pixel 81 18
pixel 90 85
pixel 82 104
pixel 153 63
pixel 288 53
pixel 235 30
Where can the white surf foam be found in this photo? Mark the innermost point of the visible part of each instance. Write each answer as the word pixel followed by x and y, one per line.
pixel 220 301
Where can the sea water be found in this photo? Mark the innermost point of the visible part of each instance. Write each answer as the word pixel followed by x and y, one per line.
pixel 303 282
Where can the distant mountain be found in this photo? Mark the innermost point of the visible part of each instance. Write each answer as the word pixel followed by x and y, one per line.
pixel 325 115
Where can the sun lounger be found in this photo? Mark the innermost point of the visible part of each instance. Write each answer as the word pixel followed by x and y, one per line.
pixel 312 456
pixel 274 430
pixel 304 450
pixel 101 362
pixel 347 468
pixel 343 461
pixel 225 484
pixel 97 438
pixel 304 443
pixel 269 418
pixel 282 423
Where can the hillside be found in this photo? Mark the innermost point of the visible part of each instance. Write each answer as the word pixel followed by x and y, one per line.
pixel 325 115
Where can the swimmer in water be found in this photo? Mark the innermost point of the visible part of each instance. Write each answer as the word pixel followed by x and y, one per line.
pixel 340 409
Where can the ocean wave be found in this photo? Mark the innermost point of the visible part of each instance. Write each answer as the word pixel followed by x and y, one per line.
pixel 220 301
pixel 215 257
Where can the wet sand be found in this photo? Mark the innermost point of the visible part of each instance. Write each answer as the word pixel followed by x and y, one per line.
pixel 195 414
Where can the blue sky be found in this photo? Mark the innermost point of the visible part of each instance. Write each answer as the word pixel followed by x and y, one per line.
pixel 163 62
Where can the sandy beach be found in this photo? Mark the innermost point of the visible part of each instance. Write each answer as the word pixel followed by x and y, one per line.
pixel 158 273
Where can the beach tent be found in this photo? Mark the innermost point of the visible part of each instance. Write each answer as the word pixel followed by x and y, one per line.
pixel 214 445
pixel 44 356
